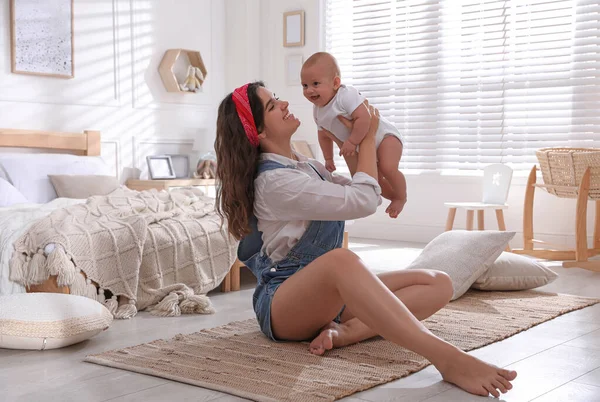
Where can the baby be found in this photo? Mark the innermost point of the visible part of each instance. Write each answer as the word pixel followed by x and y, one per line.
pixel 322 86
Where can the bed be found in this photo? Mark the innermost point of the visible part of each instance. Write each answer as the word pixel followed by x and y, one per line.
pixel 159 251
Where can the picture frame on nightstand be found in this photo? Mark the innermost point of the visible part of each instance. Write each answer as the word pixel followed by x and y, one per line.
pixel 181 166
pixel 160 167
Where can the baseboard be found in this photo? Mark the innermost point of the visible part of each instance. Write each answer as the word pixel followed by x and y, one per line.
pixel 426 233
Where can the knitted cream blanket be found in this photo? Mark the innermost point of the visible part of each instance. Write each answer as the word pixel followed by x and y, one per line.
pixel 157 250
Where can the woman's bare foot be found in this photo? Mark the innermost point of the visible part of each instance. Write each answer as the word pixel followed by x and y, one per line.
pixel 395 207
pixel 329 338
pixel 475 376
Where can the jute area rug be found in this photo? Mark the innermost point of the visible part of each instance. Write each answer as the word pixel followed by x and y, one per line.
pixel 237 359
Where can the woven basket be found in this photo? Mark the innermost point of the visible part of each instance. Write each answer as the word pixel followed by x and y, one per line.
pixel 562 169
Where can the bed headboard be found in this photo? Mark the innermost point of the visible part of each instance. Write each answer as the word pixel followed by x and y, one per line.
pixel 86 143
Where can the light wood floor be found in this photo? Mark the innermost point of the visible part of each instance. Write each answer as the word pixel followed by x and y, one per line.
pixel 557 361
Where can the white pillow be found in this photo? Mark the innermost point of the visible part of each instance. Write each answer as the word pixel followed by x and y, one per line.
pixel 514 272
pixel 9 195
pixel 29 172
pixel 463 254
pixel 49 320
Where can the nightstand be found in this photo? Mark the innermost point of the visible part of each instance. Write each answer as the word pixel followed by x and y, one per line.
pixel 141 185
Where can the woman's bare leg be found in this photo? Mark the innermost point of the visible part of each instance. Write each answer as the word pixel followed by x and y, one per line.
pixel 309 299
pixel 423 292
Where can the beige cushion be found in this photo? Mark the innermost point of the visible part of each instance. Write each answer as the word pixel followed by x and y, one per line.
pixel 83 186
pixel 49 320
pixel 463 254
pixel 514 272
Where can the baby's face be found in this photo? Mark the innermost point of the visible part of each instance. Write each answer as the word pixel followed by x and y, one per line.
pixel 318 85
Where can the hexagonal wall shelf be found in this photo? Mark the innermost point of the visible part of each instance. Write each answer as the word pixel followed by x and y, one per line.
pixel 165 69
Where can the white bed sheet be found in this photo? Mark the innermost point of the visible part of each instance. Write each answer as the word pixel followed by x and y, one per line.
pixel 14 221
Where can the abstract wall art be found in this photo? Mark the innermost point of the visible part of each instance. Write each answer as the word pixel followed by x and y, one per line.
pixel 42 37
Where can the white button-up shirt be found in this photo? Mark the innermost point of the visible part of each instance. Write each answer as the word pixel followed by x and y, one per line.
pixel 287 200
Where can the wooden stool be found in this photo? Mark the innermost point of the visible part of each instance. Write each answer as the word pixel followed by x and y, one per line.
pixel 471 214
pixel 496 183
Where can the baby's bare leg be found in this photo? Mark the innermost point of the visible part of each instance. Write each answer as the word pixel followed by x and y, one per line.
pixel 389 153
pixel 387 191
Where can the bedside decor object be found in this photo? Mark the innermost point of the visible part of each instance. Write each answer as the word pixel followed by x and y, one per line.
pixel 293 28
pixel 181 166
pixel 207 166
pixel 160 167
pixel 42 37
pixel 130 173
pixel 196 71
pixel 293 65
pixel 567 173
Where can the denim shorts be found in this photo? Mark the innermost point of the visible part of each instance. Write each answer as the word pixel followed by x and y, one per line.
pixel 263 297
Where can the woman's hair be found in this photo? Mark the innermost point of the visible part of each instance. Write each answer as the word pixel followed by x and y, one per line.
pixel 237 161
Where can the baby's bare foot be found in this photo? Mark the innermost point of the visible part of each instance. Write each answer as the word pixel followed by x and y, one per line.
pixel 395 207
pixel 476 376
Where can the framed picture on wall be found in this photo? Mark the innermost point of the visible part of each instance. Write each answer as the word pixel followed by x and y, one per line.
pixel 293 66
pixel 41 37
pixel 293 28
pixel 160 167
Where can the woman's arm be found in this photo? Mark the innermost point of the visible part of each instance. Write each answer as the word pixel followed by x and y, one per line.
pixel 291 194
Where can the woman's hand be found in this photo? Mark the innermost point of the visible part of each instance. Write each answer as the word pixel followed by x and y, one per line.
pixel 374 112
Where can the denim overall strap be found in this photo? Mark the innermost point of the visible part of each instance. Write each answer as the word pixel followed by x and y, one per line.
pixel 319 238
pixel 249 248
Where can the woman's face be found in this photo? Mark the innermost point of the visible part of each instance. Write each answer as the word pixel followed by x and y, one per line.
pixel 279 122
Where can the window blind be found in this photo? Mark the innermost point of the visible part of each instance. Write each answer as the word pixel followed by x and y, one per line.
pixel 470 83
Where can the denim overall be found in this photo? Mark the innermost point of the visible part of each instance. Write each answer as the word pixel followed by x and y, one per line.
pixel 319 238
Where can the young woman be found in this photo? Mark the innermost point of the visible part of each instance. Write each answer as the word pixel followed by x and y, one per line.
pixel 289 214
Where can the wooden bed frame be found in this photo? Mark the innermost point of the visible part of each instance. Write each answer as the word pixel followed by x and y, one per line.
pixel 88 144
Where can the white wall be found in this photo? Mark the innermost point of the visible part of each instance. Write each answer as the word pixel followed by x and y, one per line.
pixel 255 51
pixel 424 216
pixel 117 90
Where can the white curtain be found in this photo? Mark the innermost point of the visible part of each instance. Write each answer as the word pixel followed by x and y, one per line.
pixel 470 83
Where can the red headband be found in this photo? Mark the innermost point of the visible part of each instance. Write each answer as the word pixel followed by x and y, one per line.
pixel 242 106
